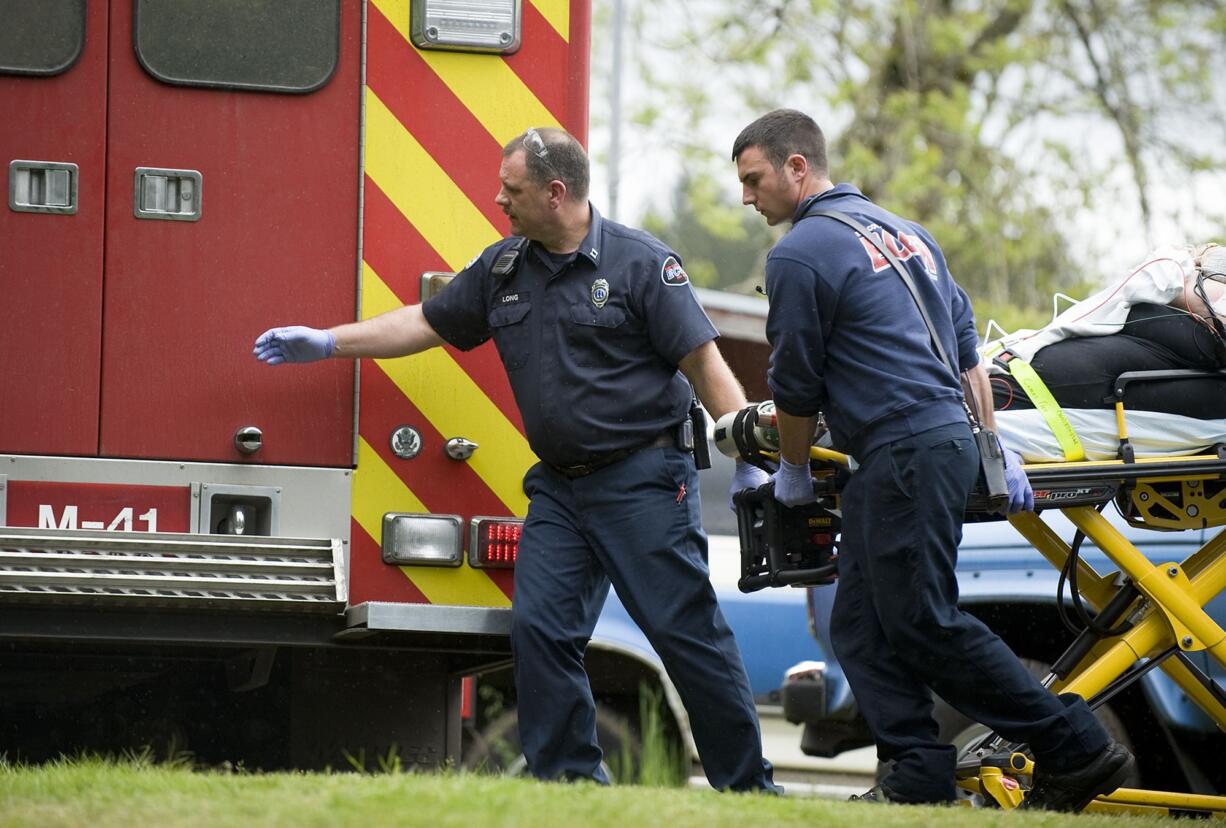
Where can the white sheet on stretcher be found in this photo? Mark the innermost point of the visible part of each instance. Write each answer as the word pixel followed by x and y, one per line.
pixel 1152 434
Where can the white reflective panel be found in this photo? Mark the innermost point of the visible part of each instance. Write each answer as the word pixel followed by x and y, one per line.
pixel 424 540
pixel 466 25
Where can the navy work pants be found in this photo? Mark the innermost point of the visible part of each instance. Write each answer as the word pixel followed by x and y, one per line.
pixel 898 632
pixel 637 524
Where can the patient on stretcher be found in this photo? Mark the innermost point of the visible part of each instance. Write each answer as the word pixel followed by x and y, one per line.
pixel 1167 314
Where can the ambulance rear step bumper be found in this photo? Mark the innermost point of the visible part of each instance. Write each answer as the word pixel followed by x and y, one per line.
pixel 188 571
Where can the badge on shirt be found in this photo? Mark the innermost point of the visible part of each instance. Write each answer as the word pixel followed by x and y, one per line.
pixel 600 293
pixel 671 273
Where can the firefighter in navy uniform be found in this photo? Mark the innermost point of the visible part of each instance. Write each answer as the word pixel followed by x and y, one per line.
pixel 602 337
pixel 848 340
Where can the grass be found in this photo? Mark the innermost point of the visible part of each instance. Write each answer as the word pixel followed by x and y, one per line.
pixel 137 794
pixel 663 762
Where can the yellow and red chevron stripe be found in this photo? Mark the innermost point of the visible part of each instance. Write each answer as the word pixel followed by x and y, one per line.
pixel 435 123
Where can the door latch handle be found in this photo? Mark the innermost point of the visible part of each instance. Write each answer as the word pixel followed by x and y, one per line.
pixel 171 195
pixel 42 187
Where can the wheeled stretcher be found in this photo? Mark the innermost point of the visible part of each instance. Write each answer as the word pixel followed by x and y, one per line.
pixel 1147 615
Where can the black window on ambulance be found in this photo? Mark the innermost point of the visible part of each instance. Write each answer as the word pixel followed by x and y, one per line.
pixel 267 45
pixel 43 38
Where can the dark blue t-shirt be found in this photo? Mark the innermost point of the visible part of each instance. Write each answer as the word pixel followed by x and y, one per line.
pixel 591 349
pixel 846 336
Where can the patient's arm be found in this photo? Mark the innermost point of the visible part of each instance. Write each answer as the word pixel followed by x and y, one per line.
pixel 1191 302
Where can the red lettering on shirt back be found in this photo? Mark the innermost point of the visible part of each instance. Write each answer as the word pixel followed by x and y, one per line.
pixel 903 246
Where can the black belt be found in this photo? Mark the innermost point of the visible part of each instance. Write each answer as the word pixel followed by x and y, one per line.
pixel 667 437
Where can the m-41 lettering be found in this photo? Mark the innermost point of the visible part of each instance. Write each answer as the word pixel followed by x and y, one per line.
pixel 122 522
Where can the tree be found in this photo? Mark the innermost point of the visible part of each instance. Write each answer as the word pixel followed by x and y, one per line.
pixel 722 247
pixel 999 124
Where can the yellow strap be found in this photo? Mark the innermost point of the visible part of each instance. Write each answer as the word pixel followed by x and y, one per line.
pixel 1119 420
pixel 1046 404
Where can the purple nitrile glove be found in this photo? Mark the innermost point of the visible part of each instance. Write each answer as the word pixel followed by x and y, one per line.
pixel 1021 496
pixel 793 484
pixel 293 344
pixel 745 477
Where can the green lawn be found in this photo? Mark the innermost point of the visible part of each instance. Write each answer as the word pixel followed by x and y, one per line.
pixel 98 794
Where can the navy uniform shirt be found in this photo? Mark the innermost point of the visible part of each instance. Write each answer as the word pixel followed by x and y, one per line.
pixel 591 342
pixel 847 338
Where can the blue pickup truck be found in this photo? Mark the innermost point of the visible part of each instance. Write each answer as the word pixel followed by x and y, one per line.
pixel 1012 588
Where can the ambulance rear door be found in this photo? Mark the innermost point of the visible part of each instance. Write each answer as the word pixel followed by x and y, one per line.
pixel 232 183
pixel 212 149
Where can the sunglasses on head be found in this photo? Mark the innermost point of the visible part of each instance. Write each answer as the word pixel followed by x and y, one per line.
pixel 535 144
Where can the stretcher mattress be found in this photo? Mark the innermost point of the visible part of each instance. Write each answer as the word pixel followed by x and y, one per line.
pixel 1151 433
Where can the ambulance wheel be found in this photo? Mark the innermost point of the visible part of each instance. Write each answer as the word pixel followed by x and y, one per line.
pixel 496 748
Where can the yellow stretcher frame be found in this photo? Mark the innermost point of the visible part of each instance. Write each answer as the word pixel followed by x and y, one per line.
pixel 1169 613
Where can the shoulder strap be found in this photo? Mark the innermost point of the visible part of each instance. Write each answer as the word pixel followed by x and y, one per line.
pixel 900 270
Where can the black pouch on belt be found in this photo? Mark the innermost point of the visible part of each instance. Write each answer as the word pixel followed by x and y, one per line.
pixel 702 449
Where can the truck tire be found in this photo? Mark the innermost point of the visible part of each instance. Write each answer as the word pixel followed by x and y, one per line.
pixel 495 749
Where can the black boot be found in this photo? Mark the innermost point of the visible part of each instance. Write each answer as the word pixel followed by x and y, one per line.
pixel 1072 790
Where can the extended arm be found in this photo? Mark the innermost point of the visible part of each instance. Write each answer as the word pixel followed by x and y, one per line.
pixel 396 333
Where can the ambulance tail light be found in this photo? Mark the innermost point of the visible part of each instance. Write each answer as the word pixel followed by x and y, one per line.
pixel 493 543
pixel 422 540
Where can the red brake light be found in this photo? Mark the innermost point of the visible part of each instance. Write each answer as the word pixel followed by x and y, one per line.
pixel 495 542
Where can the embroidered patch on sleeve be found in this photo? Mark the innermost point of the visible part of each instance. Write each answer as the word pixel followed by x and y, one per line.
pixel 671 273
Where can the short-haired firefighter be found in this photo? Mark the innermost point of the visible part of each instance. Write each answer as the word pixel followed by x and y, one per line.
pixel 848 340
